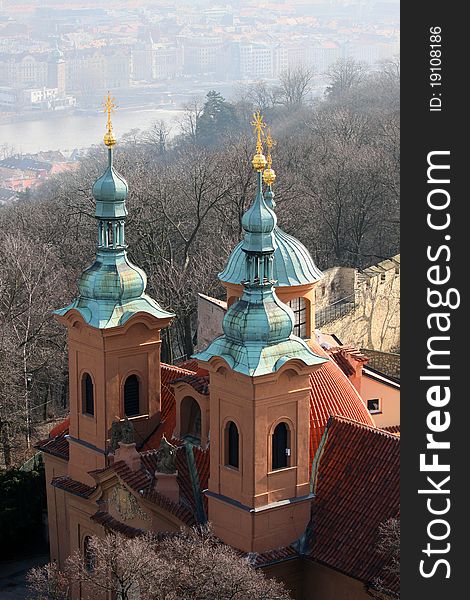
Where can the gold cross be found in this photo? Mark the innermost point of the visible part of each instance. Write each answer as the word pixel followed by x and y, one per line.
pixel 109 106
pixel 270 143
pixel 258 127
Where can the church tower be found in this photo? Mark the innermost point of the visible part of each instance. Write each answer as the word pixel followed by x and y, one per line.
pixel 295 274
pixel 56 70
pixel 113 330
pixel 259 486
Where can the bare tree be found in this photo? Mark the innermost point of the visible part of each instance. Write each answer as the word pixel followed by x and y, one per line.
pixel 190 565
pixel 48 583
pixel 344 75
pixel 388 546
pixel 295 86
pixel 188 124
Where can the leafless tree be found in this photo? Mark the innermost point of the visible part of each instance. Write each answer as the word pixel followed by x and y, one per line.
pixel 295 86
pixel 48 583
pixel 344 75
pixel 190 565
pixel 188 124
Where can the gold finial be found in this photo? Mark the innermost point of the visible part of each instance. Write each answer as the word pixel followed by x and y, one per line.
pixel 259 160
pixel 109 106
pixel 269 176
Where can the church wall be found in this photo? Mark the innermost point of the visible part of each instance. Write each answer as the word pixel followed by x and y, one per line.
pixel 290 573
pixel 375 321
pixel 210 315
pixel 56 510
pixel 322 583
pixel 337 283
pixel 389 401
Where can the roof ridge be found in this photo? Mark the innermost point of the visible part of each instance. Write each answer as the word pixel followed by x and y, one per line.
pixel 176 368
pixel 376 430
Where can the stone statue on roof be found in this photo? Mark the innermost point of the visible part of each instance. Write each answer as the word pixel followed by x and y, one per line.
pixel 121 431
pixel 166 457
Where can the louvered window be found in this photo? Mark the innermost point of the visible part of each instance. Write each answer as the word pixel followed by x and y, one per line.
pixel 280 447
pixel 231 445
pixel 88 400
pixel 131 396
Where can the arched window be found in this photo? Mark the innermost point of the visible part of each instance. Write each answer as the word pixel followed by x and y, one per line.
pixel 131 396
pixel 88 554
pixel 190 419
pixel 88 400
pixel 281 449
pixel 299 307
pixel 231 445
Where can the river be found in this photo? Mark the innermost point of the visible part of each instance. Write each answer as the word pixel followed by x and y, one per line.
pixel 78 130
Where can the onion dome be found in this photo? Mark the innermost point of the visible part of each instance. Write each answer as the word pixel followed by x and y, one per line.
pixel 293 265
pixel 112 289
pixel 258 223
pixel 258 328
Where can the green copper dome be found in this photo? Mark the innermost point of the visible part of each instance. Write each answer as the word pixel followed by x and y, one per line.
pixel 258 327
pixel 258 223
pixel 293 264
pixel 112 289
pixel 110 192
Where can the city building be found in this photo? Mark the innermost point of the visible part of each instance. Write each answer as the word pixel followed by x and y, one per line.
pixel 267 436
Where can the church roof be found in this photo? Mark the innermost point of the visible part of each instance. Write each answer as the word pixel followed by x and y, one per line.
pixel 293 264
pixel 331 393
pixel 356 480
pixel 348 450
pixel 112 289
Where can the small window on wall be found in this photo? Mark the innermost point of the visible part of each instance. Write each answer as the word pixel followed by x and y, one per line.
pixel 131 396
pixel 373 406
pixel 190 415
pixel 280 447
pixel 299 308
pixel 88 554
pixel 88 400
pixel 231 445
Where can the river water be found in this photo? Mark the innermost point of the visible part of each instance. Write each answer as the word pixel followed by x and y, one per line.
pixel 79 130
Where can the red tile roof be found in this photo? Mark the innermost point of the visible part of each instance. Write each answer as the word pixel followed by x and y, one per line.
pixel 331 393
pixel 356 486
pixel 77 488
pixel 199 382
pixel 272 556
pixel 392 429
pixel 57 446
pixel 168 415
pixel 106 520
pixel 62 427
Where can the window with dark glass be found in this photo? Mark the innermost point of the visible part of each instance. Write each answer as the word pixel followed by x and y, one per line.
pixel 88 554
pixel 299 308
pixel 373 405
pixel 88 401
pixel 131 396
pixel 280 449
pixel 190 420
pixel 231 445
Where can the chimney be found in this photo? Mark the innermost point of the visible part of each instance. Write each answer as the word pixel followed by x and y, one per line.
pixel 166 485
pixel 129 454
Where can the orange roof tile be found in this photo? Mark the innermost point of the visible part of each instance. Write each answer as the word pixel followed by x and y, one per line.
pixel 331 393
pixel 356 487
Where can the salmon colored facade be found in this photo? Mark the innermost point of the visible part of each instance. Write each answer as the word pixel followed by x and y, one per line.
pixel 249 421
